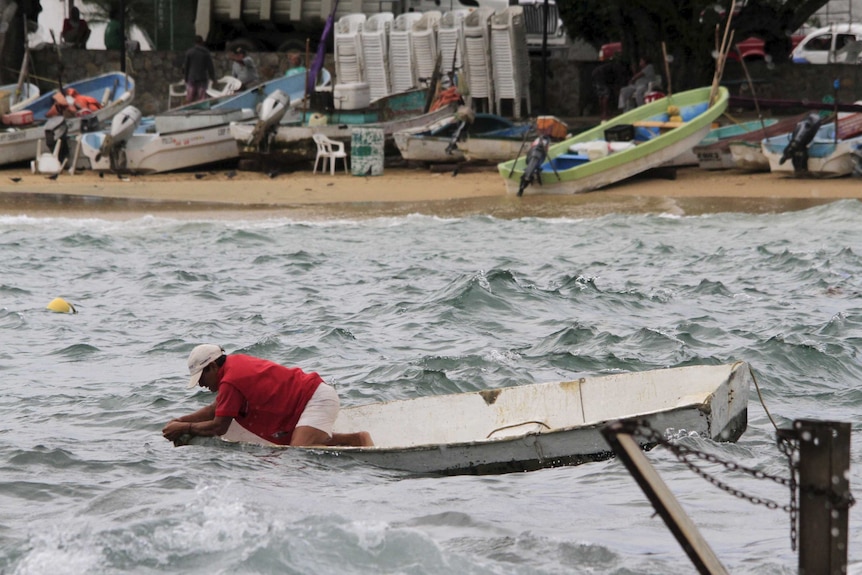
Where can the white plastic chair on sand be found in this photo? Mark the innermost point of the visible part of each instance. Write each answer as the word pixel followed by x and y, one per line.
pixel 329 151
pixel 176 90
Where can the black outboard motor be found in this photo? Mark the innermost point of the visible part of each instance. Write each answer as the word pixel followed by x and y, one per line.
pixel 797 148
pixel 466 116
pixel 535 158
pixel 56 132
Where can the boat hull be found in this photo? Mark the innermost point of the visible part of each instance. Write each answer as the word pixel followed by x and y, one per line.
pixel 748 156
pixel 600 172
pixel 23 143
pixel 522 428
pixel 156 153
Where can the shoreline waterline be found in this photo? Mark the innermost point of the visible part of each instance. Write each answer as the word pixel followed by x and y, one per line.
pixel 401 191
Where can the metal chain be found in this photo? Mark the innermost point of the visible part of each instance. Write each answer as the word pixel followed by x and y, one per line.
pixel 683 453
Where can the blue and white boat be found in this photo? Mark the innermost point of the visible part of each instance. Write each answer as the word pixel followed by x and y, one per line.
pixel 21 142
pixel 189 136
pixel 20 96
pixel 829 152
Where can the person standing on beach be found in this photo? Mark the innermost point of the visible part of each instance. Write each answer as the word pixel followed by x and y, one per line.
pixel 243 68
pixel 283 405
pixel 198 71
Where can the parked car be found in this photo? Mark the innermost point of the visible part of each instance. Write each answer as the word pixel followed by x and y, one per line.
pixel 832 44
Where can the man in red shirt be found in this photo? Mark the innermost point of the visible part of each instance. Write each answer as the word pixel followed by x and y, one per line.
pixel 282 405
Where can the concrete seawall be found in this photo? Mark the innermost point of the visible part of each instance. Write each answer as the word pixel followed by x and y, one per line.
pixel 565 88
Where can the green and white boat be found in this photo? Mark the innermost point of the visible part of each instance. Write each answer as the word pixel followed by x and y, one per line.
pixel 631 143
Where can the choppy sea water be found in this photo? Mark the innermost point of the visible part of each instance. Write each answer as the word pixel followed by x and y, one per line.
pixel 391 308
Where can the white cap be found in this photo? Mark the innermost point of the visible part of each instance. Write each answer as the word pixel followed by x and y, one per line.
pixel 199 358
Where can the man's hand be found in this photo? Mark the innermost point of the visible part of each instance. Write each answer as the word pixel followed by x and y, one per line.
pixel 175 429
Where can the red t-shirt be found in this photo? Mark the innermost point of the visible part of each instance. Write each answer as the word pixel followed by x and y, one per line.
pixel 264 397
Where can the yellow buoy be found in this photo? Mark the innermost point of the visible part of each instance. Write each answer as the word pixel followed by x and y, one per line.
pixel 60 305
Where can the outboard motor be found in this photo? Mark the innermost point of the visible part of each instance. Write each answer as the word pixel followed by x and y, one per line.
pixel 272 110
pixel 797 148
pixel 466 116
pixel 123 125
pixel 535 158
pixel 56 134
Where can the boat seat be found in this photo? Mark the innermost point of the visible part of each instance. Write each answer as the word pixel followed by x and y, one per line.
pixel 224 86
pixel 329 151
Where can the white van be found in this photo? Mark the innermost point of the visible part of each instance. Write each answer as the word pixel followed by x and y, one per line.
pixel 837 43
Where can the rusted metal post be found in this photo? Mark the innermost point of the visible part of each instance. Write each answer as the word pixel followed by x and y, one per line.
pixel 824 495
pixel 664 502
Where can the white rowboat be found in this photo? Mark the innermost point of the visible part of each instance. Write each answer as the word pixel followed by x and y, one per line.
pixel 528 427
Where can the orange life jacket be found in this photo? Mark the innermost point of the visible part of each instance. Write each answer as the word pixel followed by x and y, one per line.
pixel 80 104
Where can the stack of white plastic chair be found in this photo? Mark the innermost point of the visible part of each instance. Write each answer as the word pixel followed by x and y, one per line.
pixel 477 57
pixel 401 68
pixel 348 49
pixel 510 59
pixel 450 42
pixel 424 46
pixel 375 53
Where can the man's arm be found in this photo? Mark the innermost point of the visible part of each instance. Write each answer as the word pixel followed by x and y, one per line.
pixel 202 422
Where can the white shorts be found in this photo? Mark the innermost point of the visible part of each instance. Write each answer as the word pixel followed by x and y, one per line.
pixel 321 410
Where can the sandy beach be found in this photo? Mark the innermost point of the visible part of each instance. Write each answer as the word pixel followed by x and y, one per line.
pixel 399 191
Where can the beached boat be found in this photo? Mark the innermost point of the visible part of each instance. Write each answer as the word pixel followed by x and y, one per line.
pixel 19 96
pixel 652 139
pixel 499 147
pixel 828 154
pixel 713 152
pixel 22 141
pixel 745 150
pixel 527 427
pixel 293 141
pixel 186 137
pixel 441 141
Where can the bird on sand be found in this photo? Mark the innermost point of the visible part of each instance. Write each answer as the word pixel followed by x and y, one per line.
pixel 199 176
pixel 231 174
pixel 53 176
pixel 16 179
pixel 272 174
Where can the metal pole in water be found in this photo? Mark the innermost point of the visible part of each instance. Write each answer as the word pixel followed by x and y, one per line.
pixel 824 495
pixel 663 501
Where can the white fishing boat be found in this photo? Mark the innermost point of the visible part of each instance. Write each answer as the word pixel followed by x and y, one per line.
pixel 19 96
pixel 745 150
pixel 22 132
pixel 527 427
pixel 188 137
pixel 652 135
pixel 816 150
pixel 441 141
pixel 294 140
pixel 713 152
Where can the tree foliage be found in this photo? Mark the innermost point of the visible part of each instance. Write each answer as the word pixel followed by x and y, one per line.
pixel 691 30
